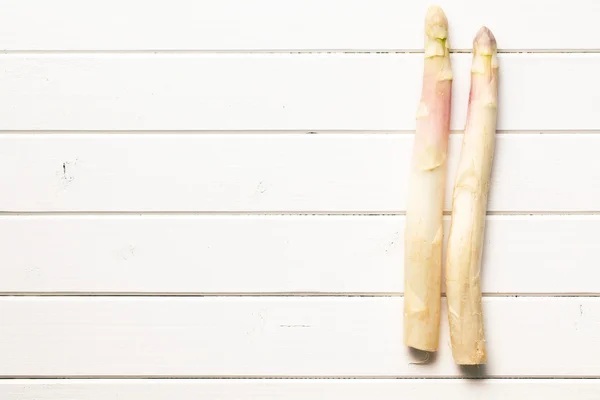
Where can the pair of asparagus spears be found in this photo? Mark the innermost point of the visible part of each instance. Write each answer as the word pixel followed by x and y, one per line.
pixel 423 235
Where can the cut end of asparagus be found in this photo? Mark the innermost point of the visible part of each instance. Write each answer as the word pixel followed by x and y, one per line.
pixel 484 43
pixel 436 23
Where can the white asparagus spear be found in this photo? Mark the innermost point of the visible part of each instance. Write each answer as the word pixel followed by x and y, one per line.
pixel 423 232
pixel 469 204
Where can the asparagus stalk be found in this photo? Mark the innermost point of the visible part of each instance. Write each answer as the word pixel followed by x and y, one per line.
pixel 423 232
pixel 469 204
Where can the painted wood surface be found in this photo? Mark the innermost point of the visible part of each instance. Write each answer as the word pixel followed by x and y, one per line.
pixel 282 336
pixel 270 254
pixel 298 389
pixel 356 173
pixel 159 185
pixel 238 25
pixel 132 91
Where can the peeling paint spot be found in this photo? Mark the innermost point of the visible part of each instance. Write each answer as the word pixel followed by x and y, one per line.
pixel 295 326
pixel 66 175
pixel 260 188
pixel 391 244
pixel 127 253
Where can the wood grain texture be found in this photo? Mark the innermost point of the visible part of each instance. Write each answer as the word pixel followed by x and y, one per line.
pixel 276 254
pixel 277 25
pixel 278 91
pixel 279 336
pixel 278 173
pixel 289 389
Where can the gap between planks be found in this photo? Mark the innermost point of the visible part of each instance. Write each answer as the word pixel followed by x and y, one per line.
pixel 278 294
pixel 469 374
pixel 290 51
pixel 92 132
pixel 278 213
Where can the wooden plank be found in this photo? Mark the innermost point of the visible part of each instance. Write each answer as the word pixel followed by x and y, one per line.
pixel 281 336
pixel 278 91
pixel 298 254
pixel 310 24
pixel 299 389
pixel 277 173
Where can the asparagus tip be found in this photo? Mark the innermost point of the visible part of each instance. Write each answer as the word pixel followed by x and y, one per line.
pixel 436 23
pixel 484 42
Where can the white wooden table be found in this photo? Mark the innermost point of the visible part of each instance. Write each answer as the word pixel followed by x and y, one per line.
pixel 214 191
